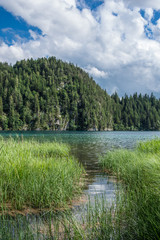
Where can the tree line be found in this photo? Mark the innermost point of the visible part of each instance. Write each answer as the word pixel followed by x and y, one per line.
pixel 49 94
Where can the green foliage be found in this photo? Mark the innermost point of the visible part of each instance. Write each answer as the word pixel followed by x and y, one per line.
pixel 137 214
pixel 152 146
pixel 136 112
pixel 37 175
pixel 48 94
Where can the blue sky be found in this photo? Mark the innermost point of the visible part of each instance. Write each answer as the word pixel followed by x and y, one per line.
pixel 14 28
pixel 116 41
pixel 91 4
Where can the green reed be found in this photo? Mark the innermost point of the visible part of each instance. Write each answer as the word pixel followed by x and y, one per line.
pixel 37 175
pixel 137 214
pixel 33 227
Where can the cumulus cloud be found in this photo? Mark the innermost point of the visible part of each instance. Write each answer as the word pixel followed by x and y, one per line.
pixel 143 3
pixel 33 34
pixel 110 43
pixel 93 71
pixel 149 13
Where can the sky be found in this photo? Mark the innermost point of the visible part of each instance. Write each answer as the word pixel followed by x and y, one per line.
pixel 116 41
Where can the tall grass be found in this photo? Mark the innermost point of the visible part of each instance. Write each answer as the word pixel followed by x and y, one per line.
pixel 37 175
pixel 137 214
pixel 134 215
pixel 96 223
pixel 40 227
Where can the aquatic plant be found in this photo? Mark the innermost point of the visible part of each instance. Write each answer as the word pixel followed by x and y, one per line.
pixel 37 175
pixel 137 214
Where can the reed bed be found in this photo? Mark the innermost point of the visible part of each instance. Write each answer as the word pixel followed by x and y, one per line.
pixel 137 214
pixel 37 175
pixel 47 226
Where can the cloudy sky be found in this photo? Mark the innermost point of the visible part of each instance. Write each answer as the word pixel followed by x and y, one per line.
pixel 116 41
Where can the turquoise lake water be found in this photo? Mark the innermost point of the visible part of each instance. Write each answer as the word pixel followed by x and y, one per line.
pixel 88 146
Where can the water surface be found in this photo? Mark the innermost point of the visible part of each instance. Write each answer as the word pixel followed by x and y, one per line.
pixel 87 147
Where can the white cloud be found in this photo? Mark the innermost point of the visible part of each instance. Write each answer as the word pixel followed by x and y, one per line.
pixel 110 43
pixel 93 71
pixel 4 30
pixel 9 54
pixel 33 34
pixel 143 3
pixel 158 23
pixel 149 13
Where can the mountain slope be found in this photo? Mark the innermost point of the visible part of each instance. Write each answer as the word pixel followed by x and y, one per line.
pixel 49 94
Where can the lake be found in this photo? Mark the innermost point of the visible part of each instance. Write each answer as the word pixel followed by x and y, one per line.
pixel 87 147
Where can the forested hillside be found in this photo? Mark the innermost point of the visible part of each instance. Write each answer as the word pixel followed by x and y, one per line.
pixel 48 94
pixel 136 112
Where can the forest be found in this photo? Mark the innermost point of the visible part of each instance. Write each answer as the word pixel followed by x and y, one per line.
pixel 49 94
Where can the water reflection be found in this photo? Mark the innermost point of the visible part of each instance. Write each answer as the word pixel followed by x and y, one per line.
pixel 87 147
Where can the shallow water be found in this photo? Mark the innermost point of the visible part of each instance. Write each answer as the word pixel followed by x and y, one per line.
pixel 87 147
